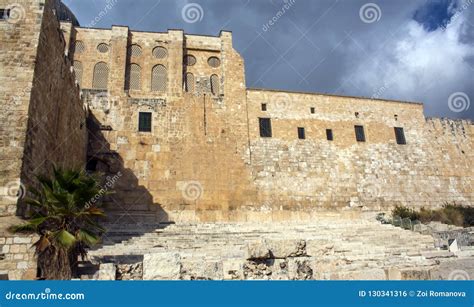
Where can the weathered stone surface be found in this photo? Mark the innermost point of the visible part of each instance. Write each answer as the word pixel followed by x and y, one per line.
pixel 233 269
pixel 161 266
pixel 202 270
pixel 107 271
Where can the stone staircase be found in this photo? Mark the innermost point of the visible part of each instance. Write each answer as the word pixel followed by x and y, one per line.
pixel 329 248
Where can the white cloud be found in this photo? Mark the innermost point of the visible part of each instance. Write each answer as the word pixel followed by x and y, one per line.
pixel 418 65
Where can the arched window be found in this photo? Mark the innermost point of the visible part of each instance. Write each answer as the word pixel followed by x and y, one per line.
pixel 215 85
pixel 160 52
pixel 135 50
pixel 214 61
pixel 159 78
pixel 78 72
pixel 134 77
pixel 189 83
pixel 190 60
pixel 103 48
pixel 100 79
pixel 78 47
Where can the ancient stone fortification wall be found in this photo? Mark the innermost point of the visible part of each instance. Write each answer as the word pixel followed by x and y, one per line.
pixel 204 158
pixel 42 116
pixel 19 39
pixel 435 166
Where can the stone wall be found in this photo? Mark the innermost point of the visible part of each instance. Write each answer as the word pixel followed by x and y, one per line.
pixel 204 159
pixel 43 121
pixel 435 166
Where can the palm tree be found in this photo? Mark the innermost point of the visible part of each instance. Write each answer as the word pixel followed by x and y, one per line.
pixel 65 218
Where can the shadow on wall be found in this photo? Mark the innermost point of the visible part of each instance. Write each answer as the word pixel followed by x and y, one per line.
pixel 129 208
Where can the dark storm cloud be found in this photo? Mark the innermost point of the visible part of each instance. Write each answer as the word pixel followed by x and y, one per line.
pixel 413 50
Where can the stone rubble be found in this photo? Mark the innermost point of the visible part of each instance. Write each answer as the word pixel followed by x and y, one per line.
pixel 328 248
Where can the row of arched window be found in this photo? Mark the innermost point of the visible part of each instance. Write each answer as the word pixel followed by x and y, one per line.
pixel 189 84
pixel 100 76
pixel 159 78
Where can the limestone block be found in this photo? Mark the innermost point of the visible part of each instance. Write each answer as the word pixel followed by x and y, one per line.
pixel 368 274
pixel 300 268
pixel 393 274
pixel 318 248
pixel 258 250
pixel 161 266
pixel 286 248
pixel 107 271
pixel 198 270
pixel 232 269
pixel 279 270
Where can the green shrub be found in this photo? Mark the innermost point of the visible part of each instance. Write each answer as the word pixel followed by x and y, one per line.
pixel 405 212
pixel 451 214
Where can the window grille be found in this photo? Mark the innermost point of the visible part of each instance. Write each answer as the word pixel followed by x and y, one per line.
pixel 78 71
pixel 103 48
pixel 214 62
pixel 100 79
pixel 159 79
pixel 135 76
pixel 189 83
pixel 78 47
pixel 190 60
pixel 135 50
pixel 160 52
pixel 215 85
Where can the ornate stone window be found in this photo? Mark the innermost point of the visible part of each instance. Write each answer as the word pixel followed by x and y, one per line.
pixel 135 50
pixel 100 78
pixel 78 47
pixel 214 61
pixel 134 77
pixel 160 52
pixel 215 85
pixel 190 60
pixel 189 83
pixel 78 72
pixel 103 48
pixel 159 78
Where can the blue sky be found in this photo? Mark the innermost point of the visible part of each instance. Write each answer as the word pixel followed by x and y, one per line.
pixel 413 50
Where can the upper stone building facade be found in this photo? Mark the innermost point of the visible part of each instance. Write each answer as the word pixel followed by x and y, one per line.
pixel 170 115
